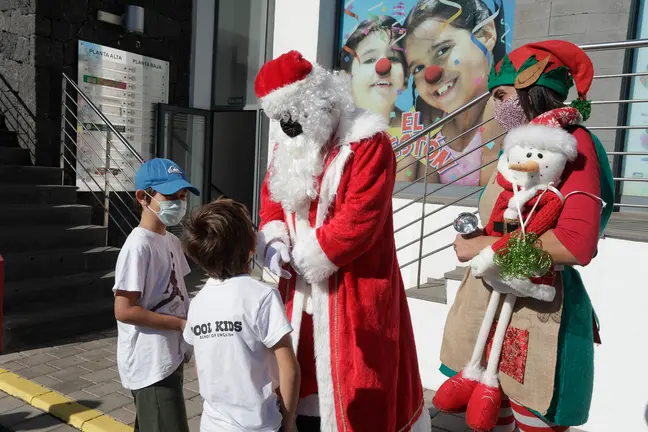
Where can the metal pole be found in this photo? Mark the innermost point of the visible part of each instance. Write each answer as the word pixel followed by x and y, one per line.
pixel 427 167
pixel 63 113
pixel 107 185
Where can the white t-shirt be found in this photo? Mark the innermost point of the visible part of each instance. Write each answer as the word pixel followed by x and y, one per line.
pixel 232 324
pixel 155 266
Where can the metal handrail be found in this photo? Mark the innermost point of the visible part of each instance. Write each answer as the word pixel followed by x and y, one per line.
pixel 639 43
pixel 103 118
pixel 438 124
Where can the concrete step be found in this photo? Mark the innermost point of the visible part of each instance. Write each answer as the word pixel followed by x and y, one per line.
pixel 8 138
pixel 33 175
pixel 43 293
pixel 457 274
pixel 24 238
pixel 14 156
pixel 59 262
pixel 27 329
pixel 434 290
pixel 35 215
pixel 37 194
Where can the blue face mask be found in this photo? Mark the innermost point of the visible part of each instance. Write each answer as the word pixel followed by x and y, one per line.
pixel 171 212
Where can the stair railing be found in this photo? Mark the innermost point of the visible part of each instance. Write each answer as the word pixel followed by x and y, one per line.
pixel 106 170
pixel 423 198
pixel 98 159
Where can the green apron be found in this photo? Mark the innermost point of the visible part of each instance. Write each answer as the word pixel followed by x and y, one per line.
pixel 575 367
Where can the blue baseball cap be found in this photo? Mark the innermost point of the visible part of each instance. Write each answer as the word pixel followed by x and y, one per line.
pixel 164 176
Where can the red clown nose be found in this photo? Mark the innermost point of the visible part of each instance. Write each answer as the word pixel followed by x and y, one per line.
pixel 383 67
pixel 433 74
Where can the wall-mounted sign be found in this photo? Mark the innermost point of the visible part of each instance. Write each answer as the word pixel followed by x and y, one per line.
pixel 125 87
pixel 415 61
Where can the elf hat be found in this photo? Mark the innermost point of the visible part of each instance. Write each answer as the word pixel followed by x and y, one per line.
pixel 279 80
pixel 547 132
pixel 554 64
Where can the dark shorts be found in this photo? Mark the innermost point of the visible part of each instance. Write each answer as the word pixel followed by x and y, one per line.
pixel 160 407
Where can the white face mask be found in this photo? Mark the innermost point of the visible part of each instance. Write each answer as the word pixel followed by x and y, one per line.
pixel 171 212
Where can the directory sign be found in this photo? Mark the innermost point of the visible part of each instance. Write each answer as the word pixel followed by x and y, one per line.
pixel 125 87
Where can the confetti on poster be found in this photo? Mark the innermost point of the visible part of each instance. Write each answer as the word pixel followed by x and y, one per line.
pixel 453 17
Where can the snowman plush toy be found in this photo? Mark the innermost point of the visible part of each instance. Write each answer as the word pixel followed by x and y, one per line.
pixel 529 172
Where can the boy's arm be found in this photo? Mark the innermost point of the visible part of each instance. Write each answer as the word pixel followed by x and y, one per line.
pixel 289 378
pixel 128 312
pixel 274 330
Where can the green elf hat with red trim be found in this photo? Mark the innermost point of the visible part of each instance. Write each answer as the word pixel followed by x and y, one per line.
pixel 554 64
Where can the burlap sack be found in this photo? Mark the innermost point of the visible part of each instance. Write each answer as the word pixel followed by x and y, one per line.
pixel 528 363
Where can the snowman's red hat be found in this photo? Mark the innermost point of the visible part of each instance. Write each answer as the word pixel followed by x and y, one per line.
pixel 546 132
pixel 281 79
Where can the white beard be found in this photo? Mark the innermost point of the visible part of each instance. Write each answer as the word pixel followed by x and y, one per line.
pixel 297 164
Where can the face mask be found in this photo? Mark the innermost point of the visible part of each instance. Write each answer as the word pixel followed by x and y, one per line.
pixel 171 212
pixel 509 113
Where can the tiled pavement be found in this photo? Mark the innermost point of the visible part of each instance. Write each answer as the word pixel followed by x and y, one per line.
pixel 84 369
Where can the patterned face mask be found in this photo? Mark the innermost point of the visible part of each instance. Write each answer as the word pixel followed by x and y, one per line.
pixel 509 113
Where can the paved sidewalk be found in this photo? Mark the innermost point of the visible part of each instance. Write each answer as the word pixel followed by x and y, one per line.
pixel 84 369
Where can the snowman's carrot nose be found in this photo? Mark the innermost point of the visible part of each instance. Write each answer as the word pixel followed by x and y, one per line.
pixel 528 167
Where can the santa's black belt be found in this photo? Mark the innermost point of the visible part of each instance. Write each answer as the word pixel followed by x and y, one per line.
pixel 505 227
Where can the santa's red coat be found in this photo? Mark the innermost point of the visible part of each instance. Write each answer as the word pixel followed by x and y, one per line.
pixel 358 352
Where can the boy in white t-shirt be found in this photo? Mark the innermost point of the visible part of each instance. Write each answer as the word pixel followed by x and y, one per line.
pixel 238 327
pixel 151 301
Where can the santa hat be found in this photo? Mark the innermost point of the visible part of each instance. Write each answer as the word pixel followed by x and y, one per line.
pixel 280 79
pixel 546 132
pixel 554 64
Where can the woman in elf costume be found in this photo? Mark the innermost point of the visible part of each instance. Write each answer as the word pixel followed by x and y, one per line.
pixel 547 365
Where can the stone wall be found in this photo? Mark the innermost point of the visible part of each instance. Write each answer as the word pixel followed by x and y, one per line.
pixel 582 22
pixel 39 41
pixel 17 67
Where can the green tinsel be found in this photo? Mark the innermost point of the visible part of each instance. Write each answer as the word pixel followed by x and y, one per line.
pixel 583 106
pixel 522 258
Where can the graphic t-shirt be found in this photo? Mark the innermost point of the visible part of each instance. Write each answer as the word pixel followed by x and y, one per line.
pixel 155 266
pixel 232 324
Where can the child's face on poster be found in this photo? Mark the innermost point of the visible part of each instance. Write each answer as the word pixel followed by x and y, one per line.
pixel 371 90
pixel 463 65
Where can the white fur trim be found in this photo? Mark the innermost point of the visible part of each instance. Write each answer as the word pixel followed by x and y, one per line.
pixel 297 310
pixel 423 423
pixel 542 138
pixel 483 261
pixel 323 366
pixel 330 183
pixel 526 288
pixel 358 125
pixel 278 97
pixel 311 260
pixel 271 232
pixel 472 372
pixel 490 380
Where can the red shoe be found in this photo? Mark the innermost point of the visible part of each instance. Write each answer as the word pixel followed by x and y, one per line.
pixel 454 394
pixel 484 407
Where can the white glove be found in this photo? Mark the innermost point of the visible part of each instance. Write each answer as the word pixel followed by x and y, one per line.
pixel 482 262
pixel 278 254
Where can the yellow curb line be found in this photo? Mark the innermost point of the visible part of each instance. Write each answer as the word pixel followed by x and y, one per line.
pixel 61 407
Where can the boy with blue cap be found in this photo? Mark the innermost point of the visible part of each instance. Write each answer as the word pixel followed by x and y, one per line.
pixel 151 301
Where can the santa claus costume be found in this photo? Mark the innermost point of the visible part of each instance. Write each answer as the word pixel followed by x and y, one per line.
pixel 546 364
pixel 326 208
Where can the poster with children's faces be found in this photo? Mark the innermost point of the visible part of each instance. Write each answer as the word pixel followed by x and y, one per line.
pixel 415 61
